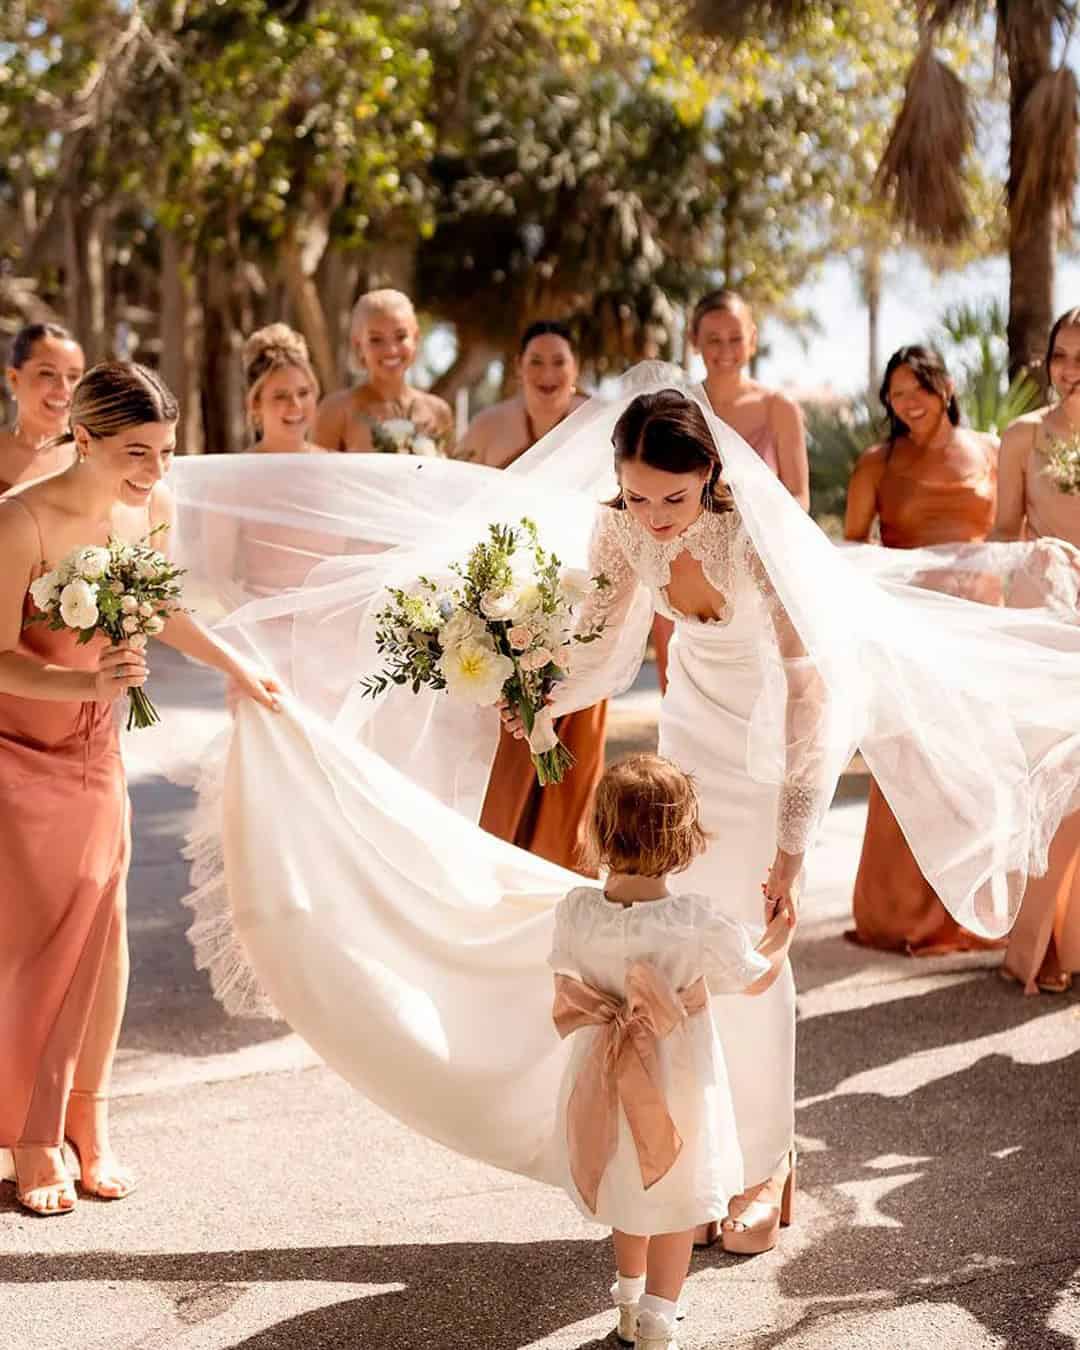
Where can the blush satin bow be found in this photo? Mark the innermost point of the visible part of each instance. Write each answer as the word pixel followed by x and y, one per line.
pixel 622 1066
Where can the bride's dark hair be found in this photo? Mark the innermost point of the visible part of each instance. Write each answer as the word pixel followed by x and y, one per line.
pixel 668 431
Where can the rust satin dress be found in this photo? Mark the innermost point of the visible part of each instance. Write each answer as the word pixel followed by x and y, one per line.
pixel 64 847
pixel 1045 940
pixel 895 908
pixel 550 821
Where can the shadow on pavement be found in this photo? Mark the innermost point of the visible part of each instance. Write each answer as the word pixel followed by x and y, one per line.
pixel 482 1296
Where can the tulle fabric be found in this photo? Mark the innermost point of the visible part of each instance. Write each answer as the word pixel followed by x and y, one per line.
pixel 968 714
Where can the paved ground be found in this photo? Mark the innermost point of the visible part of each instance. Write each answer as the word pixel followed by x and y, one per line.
pixel 939 1174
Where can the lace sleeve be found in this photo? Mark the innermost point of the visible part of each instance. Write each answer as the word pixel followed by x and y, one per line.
pixel 808 777
pixel 609 664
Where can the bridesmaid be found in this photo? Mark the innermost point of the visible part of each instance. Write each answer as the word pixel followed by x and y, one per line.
pixel 723 331
pixel 547 821
pixel 64 813
pixel 385 336
pixel 931 482
pixel 1044 946
pixel 46 364
pixel 282 392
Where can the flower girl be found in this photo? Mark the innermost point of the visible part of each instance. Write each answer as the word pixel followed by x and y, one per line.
pixel 645 1136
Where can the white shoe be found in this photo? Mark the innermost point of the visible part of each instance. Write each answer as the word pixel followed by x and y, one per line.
pixel 655 1333
pixel 626 1331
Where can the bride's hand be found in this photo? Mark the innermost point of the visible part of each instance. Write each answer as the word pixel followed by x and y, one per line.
pixel 244 683
pixel 511 720
pixel 781 889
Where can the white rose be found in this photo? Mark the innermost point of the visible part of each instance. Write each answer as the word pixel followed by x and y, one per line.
pixel 129 623
pixel 537 659
pixel 463 626
pixel 92 562
pixel 45 589
pixel 146 609
pixel 527 599
pixel 78 604
pixel 575 585
pixel 117 587
pixel 137 641
pixel 424 445
pixel 474 671
pixel 399 429
pixel 129 604
pixel 154 625
pixel 498 605
pixel 520 636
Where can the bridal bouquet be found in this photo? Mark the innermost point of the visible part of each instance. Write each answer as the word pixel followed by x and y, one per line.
pixel 1063 462
pixel 504 629
pixel 124 591
pixel 401 436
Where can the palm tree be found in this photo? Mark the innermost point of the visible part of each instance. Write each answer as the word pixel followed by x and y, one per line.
pixel 922 168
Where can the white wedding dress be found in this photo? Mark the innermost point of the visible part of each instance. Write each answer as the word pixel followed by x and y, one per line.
pixel 716 677
pixel 335 851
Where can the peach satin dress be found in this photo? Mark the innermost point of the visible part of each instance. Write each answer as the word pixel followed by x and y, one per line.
pixel 1050 914
pixel 64 846
pixel 550 821
pixel 895 908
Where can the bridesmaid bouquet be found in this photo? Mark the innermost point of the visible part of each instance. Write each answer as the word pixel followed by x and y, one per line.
pixel 1063 462
pixel 505 629
pixel 401 436
pixel 124 592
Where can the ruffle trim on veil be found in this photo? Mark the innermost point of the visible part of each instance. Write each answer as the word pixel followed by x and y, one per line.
pixel 213 937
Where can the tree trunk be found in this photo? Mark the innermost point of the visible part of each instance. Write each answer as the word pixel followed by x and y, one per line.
pixel 85 277
pixel 180 322
pixel 311 318
pixel 1031 252
pixel 871 285
pixel 469 367
pixel 337 278
pixel 222 396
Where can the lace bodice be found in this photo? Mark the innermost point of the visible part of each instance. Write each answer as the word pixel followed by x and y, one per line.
pixel 715 539
pixel 630 558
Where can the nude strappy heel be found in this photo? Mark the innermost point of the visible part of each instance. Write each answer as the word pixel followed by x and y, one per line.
pixel 762 1232
pixel 122 1178
pixel 22 1195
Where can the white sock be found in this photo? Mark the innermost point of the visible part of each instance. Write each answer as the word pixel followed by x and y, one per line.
pixel 656 1316
pixel 627 1289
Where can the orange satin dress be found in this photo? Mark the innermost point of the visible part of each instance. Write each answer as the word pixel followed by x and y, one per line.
pixel 549 821
pixel 64 848
pixel 895 908
pixel 1045 940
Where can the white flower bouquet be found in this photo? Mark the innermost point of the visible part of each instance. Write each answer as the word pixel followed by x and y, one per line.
pixel 504 628
pixel 125 592
pixel 401 436
pixel 1062 457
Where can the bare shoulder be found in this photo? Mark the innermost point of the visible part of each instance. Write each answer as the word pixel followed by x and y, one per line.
pixel 1021 434
pixel 783 408
pixel 873 460
pixel 19 540
pixel 338 403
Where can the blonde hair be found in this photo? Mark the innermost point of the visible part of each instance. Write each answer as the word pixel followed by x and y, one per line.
pixel 116 395
pixel 644 819
pixel 275 347
pixel 384 301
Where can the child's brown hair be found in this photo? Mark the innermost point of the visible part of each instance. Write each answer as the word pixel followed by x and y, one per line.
pixel 644 819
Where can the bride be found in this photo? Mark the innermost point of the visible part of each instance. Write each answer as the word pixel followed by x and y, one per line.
pixel 409 947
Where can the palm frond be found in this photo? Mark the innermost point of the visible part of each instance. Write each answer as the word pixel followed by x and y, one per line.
pixel 922 169
pixel 1046 150
pixel 734 19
